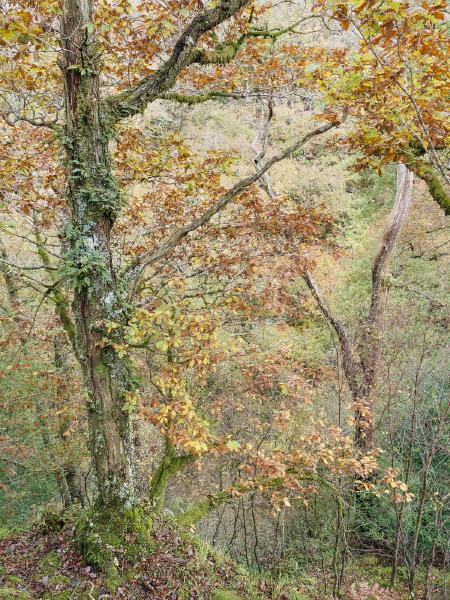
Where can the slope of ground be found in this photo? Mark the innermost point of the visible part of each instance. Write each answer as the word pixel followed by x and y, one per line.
pixel 35 565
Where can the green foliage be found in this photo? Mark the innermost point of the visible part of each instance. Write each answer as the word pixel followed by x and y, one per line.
pixel 84 264
pixel 27 491
pixel 51 519
pixel 26 484
pixel 4 533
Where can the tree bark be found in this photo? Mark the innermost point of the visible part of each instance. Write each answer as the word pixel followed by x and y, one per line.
pixel 9 279
pixel 94 200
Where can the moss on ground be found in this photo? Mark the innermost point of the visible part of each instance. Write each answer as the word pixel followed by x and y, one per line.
pixel 14 588
pixel 14 579
pixel 50 563
pixel 63 595
pixel 145 557
pixel 225 595
pixel 104 539
pixel 7 593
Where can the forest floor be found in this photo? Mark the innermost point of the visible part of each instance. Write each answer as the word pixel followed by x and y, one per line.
pixel 46 565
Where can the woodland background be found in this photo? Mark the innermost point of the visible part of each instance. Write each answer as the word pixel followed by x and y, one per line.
pixel 240 406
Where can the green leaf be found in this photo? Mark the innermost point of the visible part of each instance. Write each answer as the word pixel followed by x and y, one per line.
pixel 233 445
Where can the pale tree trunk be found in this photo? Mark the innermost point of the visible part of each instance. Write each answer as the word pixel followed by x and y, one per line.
pixel 10 281
pixel 361 367
pixel 260 144
pixel 94 200
pixel 370 347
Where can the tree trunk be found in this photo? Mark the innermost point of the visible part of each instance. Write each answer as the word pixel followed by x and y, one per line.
pixel 364 438
pixel 371 339
pixel 94 200
pixel 10 283
pixel 361 374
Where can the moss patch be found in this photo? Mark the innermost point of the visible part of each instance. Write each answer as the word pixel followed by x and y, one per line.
pixel 225 595
pixel 63 595
pixel 14 579
pixel 7 593
pixel 106 539
pixel 50 563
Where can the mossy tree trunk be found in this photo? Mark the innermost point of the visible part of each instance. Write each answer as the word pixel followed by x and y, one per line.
pixel 170 465
pixel 94 201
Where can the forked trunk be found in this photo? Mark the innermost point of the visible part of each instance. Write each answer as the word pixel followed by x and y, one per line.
pixel 361 371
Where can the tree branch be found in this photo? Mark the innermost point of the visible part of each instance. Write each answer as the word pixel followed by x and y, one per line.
pixel 61 303
pixel 134 100
pixel 134 270
pixel 204 506
pixel 198 98
pixel 274 34
pixel 198 511
pixel 11 117
pixel 169 466
pixel 348 361
pixel 437 190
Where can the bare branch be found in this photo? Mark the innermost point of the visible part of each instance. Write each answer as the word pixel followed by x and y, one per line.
pixel 348 361
pixel 26 268
pixel 262 138
pixel 12 116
